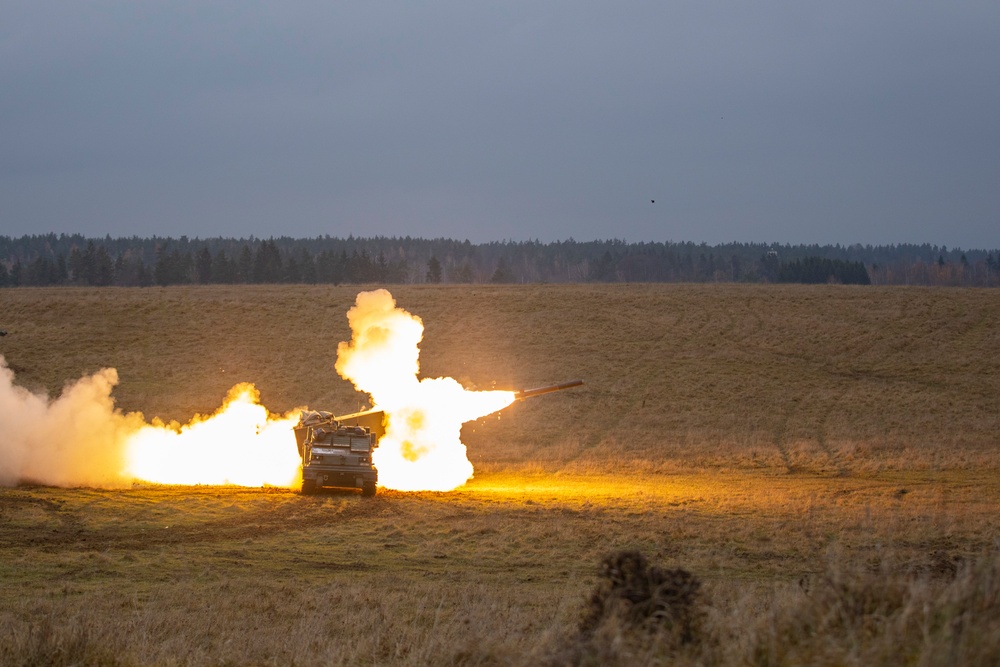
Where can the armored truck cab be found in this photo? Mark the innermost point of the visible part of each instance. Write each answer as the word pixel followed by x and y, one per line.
pixel 335 453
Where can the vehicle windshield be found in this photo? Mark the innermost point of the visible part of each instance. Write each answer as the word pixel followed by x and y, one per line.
pixel 330 441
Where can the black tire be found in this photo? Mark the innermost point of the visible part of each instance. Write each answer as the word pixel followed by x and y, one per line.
pixel 368 489
pixel 308 487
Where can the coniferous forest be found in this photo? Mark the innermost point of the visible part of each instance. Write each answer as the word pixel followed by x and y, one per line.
pixel 51 259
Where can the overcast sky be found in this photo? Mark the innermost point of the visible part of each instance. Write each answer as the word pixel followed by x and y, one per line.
pixel 855 121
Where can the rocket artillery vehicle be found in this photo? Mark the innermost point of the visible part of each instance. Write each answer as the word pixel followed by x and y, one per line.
pixel 337 453
pixel 336 450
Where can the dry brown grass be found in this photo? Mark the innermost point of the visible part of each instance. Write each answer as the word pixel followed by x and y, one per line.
pixel 756 436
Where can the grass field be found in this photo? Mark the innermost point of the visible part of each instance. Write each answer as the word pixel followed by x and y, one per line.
pixel 823 459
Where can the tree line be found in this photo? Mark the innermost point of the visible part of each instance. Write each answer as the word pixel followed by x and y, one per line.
pixel 50 259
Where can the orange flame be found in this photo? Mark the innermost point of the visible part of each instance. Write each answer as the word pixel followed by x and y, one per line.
pixel 422 448
pixel 241 444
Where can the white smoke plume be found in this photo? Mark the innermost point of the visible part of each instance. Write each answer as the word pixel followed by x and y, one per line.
pixel 77 439
pixel 82 439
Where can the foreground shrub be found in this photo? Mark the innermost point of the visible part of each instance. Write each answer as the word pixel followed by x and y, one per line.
pixel 643 597
pixel 636 611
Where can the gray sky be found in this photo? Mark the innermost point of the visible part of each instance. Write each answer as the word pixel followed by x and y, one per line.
pixel 798 122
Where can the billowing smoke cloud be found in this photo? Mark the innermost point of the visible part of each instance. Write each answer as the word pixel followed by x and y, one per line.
pixel 82 439
pixel 77 439
pixel 382 358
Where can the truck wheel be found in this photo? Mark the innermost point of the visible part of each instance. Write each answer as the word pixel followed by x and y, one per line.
pixel 308 487
pixel 368 489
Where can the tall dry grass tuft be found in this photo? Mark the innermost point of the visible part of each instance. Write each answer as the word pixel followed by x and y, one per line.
pixel 60 642
pixel 889 612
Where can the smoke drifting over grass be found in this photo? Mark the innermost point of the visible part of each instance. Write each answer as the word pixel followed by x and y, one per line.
pixel 82 439
pixel 77 439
